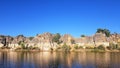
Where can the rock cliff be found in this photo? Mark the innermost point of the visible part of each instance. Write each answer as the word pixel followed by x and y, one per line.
pixel 44 41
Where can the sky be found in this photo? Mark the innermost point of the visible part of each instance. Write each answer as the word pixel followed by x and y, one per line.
pixel 75 17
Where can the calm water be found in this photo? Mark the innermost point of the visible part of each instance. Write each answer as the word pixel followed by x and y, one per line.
pixel 59 60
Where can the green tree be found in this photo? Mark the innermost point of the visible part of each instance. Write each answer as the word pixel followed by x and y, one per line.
pixel 56 38
pixel 22 44
pixel 31 38
pixel 82 35
pixel 65 47
pixel 104 31
pixel 101 47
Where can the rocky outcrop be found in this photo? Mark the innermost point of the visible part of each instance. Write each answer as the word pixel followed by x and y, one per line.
pixel 114 38
pixel 84 41
pixel 95 40
pixel 67 38
pixel 43 41
pixel 5 40
pixel 100 39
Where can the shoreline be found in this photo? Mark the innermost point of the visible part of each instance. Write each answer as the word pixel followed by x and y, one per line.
pixel 79 50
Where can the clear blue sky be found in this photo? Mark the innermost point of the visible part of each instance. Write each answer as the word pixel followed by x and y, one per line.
pixel 75 17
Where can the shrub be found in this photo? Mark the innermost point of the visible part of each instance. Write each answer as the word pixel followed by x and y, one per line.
pixel 22 44
pixel 101 47
pixel 83 35
pixel 89 47
pixel 56 38
pixel 76 46
pixel 66 47
pixel 104 31
pixel 112 46
pixel 59 47
pixel 108 47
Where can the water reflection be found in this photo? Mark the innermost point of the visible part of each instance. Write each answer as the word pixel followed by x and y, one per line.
pixel 59 60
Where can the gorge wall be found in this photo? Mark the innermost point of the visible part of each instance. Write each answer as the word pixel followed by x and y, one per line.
pixel 45 41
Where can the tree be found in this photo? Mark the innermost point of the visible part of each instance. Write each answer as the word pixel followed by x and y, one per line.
pixel 31 38
pixel 65 47
pixel 82 35
pixel 104 31
pixel 22 44
pixel 56 38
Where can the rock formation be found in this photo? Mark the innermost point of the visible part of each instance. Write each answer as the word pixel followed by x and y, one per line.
pixel 44 41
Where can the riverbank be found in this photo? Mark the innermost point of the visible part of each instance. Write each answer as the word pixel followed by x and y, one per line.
pixel 59 50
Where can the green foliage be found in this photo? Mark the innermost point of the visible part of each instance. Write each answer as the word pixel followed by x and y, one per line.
pixel 118 46
pixel 33 48
pixel 31 38
pixel 82 35
pixel 112 46
pixel 78 47
pixel 56 38
pixel 66 47
pixel 89 47
pixel 22 44
pixel 101 47
pixel 104 31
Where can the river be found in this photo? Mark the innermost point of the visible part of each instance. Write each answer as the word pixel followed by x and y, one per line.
pixel 59 60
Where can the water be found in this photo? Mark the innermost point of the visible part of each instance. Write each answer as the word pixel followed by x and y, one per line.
pixel 59 60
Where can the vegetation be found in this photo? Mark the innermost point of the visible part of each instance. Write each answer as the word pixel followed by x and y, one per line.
pixel 101 47
pixel 56 38
pixel 32 48
pixel 104 31
pixel 90 47
pixel 31 38
pixel 77 47
pixel 22 44
pixel 82 35
pixel 66 47
pixel 112 46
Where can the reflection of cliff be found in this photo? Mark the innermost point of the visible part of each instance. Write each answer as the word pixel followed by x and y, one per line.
pixel 59 60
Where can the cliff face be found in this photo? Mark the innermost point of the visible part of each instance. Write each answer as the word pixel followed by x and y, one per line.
pixel 44 41
pixel 95 40
pixel 67 39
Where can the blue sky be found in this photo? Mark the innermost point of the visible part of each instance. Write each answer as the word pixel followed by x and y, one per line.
pixel 75 17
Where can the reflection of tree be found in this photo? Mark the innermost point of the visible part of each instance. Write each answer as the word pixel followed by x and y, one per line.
pixel 54 64
pixel 4 59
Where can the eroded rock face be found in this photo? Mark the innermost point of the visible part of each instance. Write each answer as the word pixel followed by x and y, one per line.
pixel 2 40
pixel 114 38
pixel 44 41
pixel 95 40
pixel 67 39
pixel 18 38
pixel 100 39
pixel 5 40
pixel 84 41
